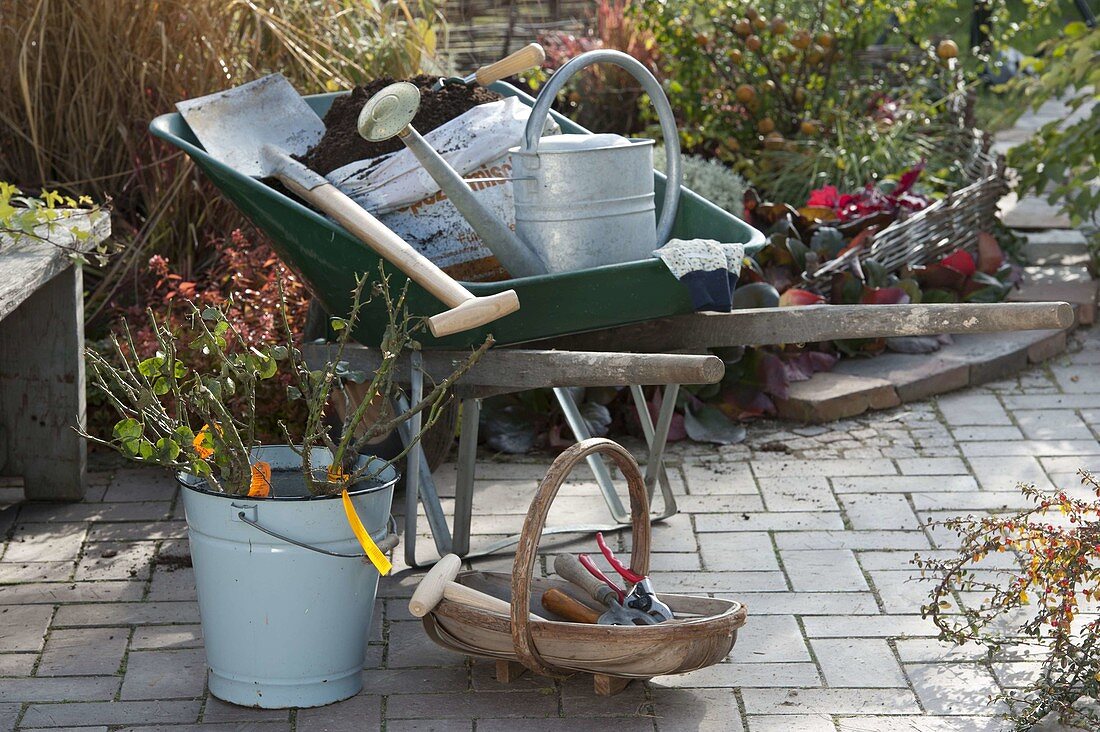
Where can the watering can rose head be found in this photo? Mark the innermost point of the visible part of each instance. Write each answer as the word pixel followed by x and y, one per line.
pixel 191 406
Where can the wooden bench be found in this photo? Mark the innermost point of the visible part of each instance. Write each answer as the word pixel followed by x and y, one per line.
pixel 42 363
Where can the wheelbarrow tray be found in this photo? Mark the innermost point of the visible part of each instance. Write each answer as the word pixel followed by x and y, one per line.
pixel 328 258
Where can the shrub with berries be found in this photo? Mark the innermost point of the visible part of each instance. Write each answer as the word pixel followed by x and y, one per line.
pixel 1045 597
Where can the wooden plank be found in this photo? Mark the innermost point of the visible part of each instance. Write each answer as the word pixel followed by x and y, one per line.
pixel 28 264
pixel 42 390
pixel 808 324
pixel 518 369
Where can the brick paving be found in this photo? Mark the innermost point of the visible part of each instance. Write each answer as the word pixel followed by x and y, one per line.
pixel 98 631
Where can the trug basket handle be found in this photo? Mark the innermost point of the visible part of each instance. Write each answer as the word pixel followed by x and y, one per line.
pixel 523 567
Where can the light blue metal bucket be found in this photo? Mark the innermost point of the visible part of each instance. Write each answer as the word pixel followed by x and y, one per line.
pixel 285 594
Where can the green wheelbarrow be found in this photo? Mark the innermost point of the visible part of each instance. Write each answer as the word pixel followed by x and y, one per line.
pixel 329 258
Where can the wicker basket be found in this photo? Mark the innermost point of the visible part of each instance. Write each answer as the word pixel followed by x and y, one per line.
pixel 702 635
pixel 926 236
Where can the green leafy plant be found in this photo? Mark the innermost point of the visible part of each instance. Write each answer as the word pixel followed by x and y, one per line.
pixel 1042 598
pixel 42 218
pixel 204 420
pixel 1062 161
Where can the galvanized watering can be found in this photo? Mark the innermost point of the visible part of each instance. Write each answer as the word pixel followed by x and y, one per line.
pixel 587 200
pixel 581 201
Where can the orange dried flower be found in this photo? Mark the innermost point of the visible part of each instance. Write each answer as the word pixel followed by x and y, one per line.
pixel 261 480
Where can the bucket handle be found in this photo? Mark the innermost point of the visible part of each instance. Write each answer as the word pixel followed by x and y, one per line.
pixel 652 87
pixel 387 543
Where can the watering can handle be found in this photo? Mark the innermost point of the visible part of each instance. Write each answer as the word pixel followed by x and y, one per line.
pixel 652 87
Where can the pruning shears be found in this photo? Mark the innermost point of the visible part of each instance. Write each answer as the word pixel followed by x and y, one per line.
pixel 641 597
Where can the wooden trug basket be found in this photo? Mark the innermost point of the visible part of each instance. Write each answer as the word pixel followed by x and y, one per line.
pixel 702 635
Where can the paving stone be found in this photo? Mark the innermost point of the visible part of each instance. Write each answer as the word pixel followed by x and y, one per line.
pixel 706 710
pixel 829 395
pixel 730 675
pixel 164 637
pixel 145 511
pixel 823 570
pixel 23 628
pixel 719 479
pixel 1040 448
pixel 984 500
pixel 931 466
pixel 852 540
pixel 113 713
pixel 913 376
pixel 1052 424
pixel 1052 401
pixel 953 688
pixel 889 511
pixel 905 484
pixel 164 674
pixel 773 639
pixel 870 626
pixel 858 662
pixel 970 434
pixel 115 560
pixel 1004 473
pixel 738 551
pixel 131 484
pixel 44 543
pixel 1030 212
pixel 414 680
pixel 217 711
pixel 900 590
pixel 803 603
pixel 787 467
pixel 811 493
pixel 795 521
pixel 60 689
pixel 1081 294
pixel 969 408
pixel 445 725
pixel 50 593
pixel 577 699
pixel 137 530
pixel 933 650
pixel 37 571
pixel 84 652
pixel 17 664
pixel 409 645
pixel 127 613
pixel 830 701
pixel 474 704
pixel 694 583
pixel 215 727
pixel 358 713
pixel 720 503
pixel 922 723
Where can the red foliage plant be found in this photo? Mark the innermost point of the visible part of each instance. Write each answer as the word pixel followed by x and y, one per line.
pixel 246 277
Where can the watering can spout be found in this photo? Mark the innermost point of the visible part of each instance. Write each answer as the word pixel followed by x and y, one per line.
pixel 390 113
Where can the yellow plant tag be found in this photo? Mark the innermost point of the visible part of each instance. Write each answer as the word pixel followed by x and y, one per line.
pixel 374 554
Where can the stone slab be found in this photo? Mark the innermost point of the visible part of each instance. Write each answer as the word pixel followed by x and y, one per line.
pixel 1056 246
pixel 914 376
pixel 1031 213
pixel 831 395
pixel 1082 295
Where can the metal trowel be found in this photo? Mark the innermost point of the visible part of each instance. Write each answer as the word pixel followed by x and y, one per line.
pixel 256 127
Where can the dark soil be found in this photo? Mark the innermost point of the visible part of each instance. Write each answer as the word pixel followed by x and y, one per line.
pixel 342 144
pixel 172 562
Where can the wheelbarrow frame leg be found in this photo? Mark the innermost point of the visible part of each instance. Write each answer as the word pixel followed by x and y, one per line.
pixel 575 420
pixel 656 437
pixel 419 485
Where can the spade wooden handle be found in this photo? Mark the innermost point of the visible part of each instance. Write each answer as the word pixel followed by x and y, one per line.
pixel 525 58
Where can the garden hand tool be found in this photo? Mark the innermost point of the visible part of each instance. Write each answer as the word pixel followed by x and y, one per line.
pixel 604 592
pixel 525 58
pixel 390 112
pixel 566 607
pixel 256 127
pixel 642 596
pixel 439 583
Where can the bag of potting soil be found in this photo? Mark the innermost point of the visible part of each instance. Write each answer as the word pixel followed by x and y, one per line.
pixel 403 196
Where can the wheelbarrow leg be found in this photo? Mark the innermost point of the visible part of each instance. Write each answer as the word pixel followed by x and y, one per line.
pixel 599 468
pixel 419 484
pixel 656 439
pixel 464 480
